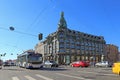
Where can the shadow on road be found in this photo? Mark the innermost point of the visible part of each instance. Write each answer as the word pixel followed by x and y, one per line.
pixel 13 69
pixel 51 69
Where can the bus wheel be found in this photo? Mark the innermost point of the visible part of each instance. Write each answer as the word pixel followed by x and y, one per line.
pixel 41 66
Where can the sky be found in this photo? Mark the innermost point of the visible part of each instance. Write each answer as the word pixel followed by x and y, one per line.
pixel 31 17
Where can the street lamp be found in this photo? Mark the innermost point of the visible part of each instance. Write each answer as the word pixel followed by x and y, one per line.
pixel 1 56
pixel 40 35
pixel 12 28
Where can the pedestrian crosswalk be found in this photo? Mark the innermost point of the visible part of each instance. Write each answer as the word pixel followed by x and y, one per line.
pixel 67 76
pixel 43 77
pixel 28 77
pixel 15 78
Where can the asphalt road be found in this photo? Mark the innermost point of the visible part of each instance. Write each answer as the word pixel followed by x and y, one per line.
pixel 60 73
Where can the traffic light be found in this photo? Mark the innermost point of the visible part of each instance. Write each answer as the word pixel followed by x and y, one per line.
pixel 40 36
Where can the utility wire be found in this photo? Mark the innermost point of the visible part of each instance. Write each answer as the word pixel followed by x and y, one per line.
pixel 19 32
pixel 40 13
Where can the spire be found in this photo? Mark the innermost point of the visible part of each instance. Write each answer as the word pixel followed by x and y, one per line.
pixel 62 22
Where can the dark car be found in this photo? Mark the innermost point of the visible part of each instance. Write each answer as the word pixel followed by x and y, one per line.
pixel 50 64
pixel 0 64
pixel 6 64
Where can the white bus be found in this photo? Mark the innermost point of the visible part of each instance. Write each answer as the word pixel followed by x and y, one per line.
pixel 30 60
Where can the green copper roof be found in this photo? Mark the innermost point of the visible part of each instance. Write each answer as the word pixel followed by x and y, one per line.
pixel 62 22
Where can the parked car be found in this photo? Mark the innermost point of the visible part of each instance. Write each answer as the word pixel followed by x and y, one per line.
pixel 6 64
pixel 50 64
pixel 0 64
pixel 116 68
pixel 103 64
pixel 12 64
pixel 79 64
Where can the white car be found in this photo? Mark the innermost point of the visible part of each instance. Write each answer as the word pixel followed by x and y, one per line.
pixel 50 64
pixel 102 64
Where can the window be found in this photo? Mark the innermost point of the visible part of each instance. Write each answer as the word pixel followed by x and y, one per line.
pixel 61 45
pixel 62 50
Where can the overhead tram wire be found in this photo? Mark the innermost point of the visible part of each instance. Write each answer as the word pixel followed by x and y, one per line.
pixel 31 25
pixel 19 32
pixel 4 28
pixel 40 13
pixel 15 46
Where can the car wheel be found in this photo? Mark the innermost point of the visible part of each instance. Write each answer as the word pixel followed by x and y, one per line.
pixel 56 65
pixel 72 65
pixel 41 67
pixel 51 66
pixel 119 73
pixel 80 66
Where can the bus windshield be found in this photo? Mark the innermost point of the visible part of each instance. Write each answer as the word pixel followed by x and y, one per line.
pixel 34 58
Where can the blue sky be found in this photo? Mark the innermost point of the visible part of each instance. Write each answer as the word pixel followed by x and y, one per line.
pixel 97 17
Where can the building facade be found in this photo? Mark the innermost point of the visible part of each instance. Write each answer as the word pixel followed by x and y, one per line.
pixel 66 45
pixel 39 48
pixel 112 53
pixel 119 56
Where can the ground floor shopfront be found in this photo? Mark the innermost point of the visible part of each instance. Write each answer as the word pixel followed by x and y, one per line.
pixel 68 58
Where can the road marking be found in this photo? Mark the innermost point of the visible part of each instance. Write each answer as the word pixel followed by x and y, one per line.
pixel 109 74
pixel 29 78
pixel 73 76
pixel 15 78
pixel 98 73
pixel 43 77
pixel 89 72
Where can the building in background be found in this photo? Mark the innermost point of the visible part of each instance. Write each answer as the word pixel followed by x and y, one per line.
pixel 112 53
pixel 39 48
pixel 66 45
pixel 119 55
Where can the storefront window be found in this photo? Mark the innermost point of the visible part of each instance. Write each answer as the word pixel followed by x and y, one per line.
pixel 72 58
pixel 78 58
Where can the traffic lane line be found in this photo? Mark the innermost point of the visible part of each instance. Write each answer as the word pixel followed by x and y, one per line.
pixel 98 73
pixel 29 78
pixel 15 78
pixel 81 78
pixel 43 77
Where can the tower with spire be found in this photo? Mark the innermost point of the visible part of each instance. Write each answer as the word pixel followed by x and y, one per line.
pixel 62 22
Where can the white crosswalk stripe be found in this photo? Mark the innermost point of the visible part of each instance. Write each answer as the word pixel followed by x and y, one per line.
pixel 81 78
pixel 43 77
pixel 15 78
pixel 29 77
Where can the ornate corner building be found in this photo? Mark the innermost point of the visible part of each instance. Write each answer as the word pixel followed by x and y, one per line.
pixel 66 45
